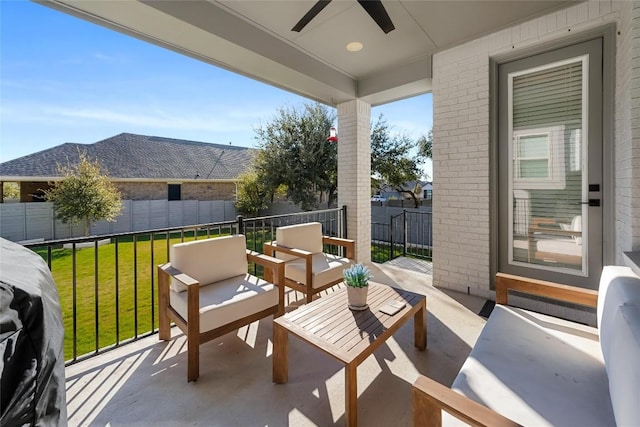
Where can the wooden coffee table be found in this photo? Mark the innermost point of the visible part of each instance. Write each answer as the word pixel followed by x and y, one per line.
pixel 349 336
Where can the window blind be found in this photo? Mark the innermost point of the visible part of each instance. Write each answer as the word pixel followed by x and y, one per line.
pixel 547 107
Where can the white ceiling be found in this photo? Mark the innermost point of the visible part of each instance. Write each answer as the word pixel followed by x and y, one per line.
pixel 254 38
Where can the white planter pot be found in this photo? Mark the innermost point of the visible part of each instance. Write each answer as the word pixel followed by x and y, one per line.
pixel 357 297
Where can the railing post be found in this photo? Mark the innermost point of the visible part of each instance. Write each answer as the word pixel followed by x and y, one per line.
pixel 404 232
pixel 240 220
pixel 391 237
pixel 344 222
pixel 343 233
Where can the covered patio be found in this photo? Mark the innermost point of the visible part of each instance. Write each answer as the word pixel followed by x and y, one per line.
pixel 348 56
pixel 144 383
pixel 454 50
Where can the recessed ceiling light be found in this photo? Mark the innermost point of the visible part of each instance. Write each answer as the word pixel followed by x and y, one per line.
pixel 355 47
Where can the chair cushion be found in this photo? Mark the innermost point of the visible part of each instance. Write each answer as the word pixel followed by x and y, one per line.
pixel 210 260
pixel 619 324
pixel 228 300
pixel 538 370
pixel 306 236
pixel 326 268
pixel 618 286
pixel 559 246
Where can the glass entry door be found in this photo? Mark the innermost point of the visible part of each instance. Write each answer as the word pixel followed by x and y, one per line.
pixel 550 165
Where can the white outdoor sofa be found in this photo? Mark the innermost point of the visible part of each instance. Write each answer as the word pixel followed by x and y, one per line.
pixel 532 369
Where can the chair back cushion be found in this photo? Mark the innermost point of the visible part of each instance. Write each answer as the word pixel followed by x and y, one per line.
pixel 307 237
pixel 326 268
pixel 210 260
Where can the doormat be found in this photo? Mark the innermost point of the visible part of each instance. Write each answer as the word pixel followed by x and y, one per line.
pixel 487 308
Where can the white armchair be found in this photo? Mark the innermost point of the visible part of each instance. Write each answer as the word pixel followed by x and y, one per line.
pixel 207 292
pixel 307 268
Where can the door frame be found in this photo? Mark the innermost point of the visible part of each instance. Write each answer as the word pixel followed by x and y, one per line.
pixel 608 35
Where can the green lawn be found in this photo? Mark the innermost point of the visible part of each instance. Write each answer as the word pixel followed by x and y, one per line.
pixel 106 301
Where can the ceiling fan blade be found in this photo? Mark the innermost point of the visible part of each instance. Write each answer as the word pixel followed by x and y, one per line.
pixel 377 11
pixel 315 9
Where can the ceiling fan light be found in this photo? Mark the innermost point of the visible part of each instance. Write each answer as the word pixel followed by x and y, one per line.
pixel 354 46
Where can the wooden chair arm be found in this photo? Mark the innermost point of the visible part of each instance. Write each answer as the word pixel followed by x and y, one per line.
pixel 270 248
pixel 274 273
pixel 265 260
pixel 430 398
pixel 178 275
pixel 572 294
pixel 348 244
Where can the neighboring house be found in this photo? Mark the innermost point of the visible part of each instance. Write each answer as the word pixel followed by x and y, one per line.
pixel 142 167
pixel 425 191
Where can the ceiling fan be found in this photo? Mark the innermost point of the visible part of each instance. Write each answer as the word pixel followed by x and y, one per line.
pixel 374 8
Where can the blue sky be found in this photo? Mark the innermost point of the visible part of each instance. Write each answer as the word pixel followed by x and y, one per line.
pixel 66 80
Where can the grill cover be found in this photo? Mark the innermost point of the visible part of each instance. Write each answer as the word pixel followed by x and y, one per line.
pixel 32 382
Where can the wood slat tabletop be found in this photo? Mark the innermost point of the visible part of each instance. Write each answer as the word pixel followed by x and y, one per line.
pixel 347 335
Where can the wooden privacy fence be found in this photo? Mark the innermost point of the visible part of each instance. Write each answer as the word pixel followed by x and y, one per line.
pixel 27 221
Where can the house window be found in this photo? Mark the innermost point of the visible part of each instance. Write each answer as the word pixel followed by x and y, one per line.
pixel 175 191
pixel 428 194
pixel 538 158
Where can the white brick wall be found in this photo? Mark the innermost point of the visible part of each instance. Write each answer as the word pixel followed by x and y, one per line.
pixel 635 127
pixel 461 135
pixel 624 173
pixel 354 173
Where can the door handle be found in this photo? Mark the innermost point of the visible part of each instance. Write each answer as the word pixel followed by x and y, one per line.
pixel 591 202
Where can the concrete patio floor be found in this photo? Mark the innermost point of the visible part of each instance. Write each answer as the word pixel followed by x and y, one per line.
pixel 145 383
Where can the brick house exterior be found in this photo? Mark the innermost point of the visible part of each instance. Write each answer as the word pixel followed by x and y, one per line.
pixel 463 158
pixel 142 167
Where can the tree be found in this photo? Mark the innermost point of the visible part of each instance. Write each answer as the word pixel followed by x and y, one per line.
pixel 84 194
pixel 10 191
pixel 252 195
pixel 392 161
pixel 295 153
pixel 425 145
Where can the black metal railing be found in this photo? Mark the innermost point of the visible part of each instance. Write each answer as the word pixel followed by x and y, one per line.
pixel 408 233
pixel 334 223
pixel 107 283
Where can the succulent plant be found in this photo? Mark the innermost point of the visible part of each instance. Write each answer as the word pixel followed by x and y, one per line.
pixel 357 276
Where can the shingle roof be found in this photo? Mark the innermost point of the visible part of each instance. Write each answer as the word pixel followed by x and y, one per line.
pixel 138 156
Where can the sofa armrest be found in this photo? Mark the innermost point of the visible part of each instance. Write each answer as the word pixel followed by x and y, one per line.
pixel 430 398
pixel 572 294
pixel 348 244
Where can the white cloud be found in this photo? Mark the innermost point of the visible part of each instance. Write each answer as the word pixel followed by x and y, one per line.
pixel 110 59
pixel 212 120
pixel 157 119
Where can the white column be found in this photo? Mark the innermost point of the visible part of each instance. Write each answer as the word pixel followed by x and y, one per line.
pixel 354 173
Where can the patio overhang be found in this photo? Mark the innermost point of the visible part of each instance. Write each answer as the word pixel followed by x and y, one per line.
pixel 254 38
